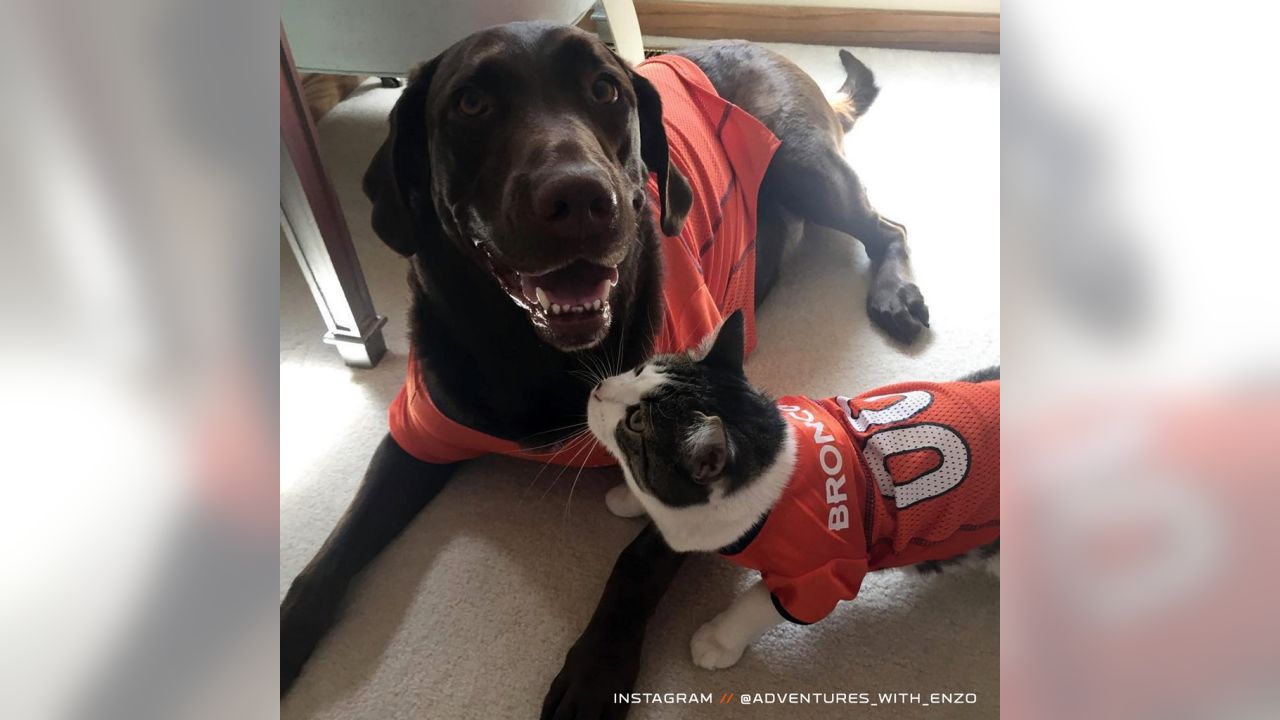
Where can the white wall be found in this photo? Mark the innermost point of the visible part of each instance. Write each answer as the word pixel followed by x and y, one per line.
pixel 964 6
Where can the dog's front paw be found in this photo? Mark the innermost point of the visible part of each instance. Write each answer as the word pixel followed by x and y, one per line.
pixel 601 666
pixel 710 650
pixel 622 502
pixel 899 308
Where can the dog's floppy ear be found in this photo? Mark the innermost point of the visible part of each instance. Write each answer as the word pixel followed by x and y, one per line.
pixel 399 176
pixel 673 190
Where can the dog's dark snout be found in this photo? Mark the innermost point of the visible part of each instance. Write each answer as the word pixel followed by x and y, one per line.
pixel 576 204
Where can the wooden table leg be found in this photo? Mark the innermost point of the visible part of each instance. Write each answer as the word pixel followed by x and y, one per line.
pixel 317 231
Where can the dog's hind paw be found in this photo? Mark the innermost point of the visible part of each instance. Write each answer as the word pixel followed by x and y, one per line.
pixel 899 309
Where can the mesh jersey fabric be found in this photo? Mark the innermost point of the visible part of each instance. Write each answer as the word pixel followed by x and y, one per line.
pixel 895 476
pixel 708 271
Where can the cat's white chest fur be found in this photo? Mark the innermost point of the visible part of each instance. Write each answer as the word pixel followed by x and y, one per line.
pixel 720 521
pixel 622 502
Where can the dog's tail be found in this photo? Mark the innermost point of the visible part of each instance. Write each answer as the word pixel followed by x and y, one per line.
pixel 858 92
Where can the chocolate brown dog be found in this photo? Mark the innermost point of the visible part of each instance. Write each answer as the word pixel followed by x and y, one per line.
pixel 516 167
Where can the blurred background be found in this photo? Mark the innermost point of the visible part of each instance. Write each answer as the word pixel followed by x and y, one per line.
pixel 139 264
pixel 1142 357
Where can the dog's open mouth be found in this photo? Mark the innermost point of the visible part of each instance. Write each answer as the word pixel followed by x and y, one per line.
pixel 570 305
pixel 572 292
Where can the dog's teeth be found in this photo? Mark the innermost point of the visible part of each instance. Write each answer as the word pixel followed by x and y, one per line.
pixel 555 308
pixel 542 298
pixel 595 305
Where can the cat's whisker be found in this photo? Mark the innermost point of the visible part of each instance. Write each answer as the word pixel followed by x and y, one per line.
pixel 564 521
pixel 588 371
pixel 605 360
pixel 586 446
pixel 583 446
pixel 598 366
pixel 585 374
pixel 622 354
pixel 572 425
pixel 571 442
pixel 653 328
pixel 567 443
pixel 548 446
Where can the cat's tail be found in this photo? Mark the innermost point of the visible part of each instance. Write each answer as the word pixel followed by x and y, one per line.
pixel 985 558
pixel 858 92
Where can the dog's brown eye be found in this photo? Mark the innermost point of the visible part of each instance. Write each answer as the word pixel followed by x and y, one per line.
pixel 604 90
pixel 472 102
pixel 635 419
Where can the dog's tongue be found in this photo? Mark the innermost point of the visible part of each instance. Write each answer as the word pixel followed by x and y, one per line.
pixel 581 283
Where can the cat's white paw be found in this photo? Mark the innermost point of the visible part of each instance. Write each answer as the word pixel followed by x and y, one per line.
pixel 710 650
pixel 622 502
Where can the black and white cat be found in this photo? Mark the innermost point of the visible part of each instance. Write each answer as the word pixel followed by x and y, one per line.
pixel 812 493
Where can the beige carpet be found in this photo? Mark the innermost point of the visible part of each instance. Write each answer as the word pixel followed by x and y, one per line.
pixel 469 613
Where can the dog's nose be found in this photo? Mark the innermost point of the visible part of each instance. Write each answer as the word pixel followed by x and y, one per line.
pixel 576 205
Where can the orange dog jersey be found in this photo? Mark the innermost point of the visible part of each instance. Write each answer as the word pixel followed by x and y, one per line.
pixel 708 271
pixel 896 476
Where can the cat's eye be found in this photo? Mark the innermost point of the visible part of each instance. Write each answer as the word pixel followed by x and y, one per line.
pixel 604 90
pixel 471 102
pixel 635 419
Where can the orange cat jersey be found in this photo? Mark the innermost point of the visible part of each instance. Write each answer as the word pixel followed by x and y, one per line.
pixel 708 271
pixel 895 476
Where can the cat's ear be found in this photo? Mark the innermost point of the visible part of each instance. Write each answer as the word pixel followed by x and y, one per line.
pixel 725 349
pixel 706 448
